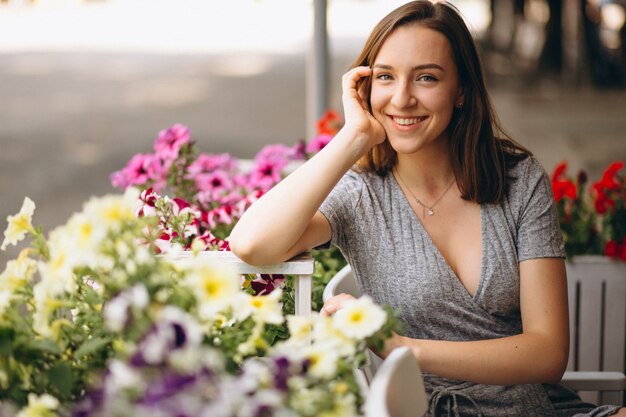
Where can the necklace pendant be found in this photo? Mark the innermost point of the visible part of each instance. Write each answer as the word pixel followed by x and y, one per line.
pixel 430 212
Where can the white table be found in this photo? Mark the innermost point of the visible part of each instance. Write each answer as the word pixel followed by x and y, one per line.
pixel 302 266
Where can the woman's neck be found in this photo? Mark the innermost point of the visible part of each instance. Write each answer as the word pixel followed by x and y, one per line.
pixel 429 169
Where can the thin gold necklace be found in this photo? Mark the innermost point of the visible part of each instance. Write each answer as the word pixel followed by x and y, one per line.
pixel 431 211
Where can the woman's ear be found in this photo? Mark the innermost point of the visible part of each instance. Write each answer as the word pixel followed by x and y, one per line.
pixel 460 101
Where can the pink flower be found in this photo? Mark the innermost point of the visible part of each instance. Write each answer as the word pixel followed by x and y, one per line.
pixel 170 141
pixel 266 174
pixel 134 173
pixel 318 143
pixel 299 150
pixel 205 163
pixel 277 152
pixel 217 182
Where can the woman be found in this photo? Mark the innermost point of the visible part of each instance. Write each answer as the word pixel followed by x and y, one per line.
pixel 451 225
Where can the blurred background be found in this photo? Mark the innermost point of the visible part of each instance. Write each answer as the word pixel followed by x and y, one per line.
pixel 84 85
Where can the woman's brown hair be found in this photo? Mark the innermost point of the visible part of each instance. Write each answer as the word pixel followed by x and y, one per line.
pixel 480 159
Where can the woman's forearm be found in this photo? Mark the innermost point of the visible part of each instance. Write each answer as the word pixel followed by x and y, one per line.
pixel 269 229
pixel 527 358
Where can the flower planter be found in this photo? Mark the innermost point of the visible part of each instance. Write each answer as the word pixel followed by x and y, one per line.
pixel 597 305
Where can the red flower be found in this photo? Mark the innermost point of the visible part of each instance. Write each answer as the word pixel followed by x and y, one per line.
pixel 329 124
pixel 611 248
pixel 608 180
pixel 562 187
pixel 602 202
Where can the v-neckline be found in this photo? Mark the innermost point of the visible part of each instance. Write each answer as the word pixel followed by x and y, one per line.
pixel 415 219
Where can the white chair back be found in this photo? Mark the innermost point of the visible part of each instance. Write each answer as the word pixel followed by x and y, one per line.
pixel 397 390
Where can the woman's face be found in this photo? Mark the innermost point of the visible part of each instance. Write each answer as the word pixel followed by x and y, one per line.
pixel 415 87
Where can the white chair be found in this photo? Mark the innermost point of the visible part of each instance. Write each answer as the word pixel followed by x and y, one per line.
pixel 597 301
pixel 397 390
pixel 344 282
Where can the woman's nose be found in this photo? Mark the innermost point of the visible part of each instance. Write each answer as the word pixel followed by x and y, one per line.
pixel 403 96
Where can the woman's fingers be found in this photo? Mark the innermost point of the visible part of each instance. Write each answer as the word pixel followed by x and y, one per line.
pixel 335 304
pixel 349 84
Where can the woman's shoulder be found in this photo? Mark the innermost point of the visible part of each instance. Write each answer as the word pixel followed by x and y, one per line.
pixel 525 173
pixel 365 178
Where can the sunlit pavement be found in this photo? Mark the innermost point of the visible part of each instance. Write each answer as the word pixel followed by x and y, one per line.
pixel 83 89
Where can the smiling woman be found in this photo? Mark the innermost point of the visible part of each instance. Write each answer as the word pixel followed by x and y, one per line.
pixel 440 215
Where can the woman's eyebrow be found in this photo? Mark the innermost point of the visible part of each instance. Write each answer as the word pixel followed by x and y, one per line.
pixel 415 68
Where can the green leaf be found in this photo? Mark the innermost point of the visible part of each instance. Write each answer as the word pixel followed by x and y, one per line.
pixel 91 346
pixel 6 335
pixel 44 345
pixel 61 378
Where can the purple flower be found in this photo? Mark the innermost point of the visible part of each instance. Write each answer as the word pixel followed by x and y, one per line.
pixel 266 283
pixel 170 141
pixel 281 374
pixel 169 385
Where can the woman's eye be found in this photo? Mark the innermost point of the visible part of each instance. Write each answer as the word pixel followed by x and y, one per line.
pixel 428 78
pixel 383 77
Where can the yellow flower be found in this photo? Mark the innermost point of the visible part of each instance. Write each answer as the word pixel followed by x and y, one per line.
pixel 263 308
pixel 39 406
pixel 300 329
pixel 325 333
pixel 360 318
pixel 18 272
pixel 216 289
pixel 323 361
pixel 19 225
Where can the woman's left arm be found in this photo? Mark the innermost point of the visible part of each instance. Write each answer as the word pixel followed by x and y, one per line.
pixel 537 355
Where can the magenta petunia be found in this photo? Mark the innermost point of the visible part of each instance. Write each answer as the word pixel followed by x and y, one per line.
pixel 170 141
pixel 266 174
pixel 206 163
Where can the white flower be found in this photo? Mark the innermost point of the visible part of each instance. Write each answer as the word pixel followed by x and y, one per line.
pixel 116 313
pixel 300 329
pixel 122 378
pixel 216 289
pixel 39 406
pixel 326 334
pixel 19 225
pixel 18 272
pixel 138 296
pixel 116 310
pixel 323 361
pixel 359 318
pixel 5 300
pixel 110 211
pixel 263 308
pixel 45 295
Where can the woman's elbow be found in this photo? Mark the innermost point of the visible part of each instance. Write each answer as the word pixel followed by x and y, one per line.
pixel 554 368
pixel 242 247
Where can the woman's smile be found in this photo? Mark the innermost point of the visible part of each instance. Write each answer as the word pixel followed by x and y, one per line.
pixel 405 123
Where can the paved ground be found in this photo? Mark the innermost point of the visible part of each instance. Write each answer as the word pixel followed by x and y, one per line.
pixel 68 119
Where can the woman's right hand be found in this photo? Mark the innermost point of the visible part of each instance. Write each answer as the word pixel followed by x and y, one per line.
pixel 358 119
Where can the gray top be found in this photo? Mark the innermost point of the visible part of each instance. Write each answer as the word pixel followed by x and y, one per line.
pixel 396 262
